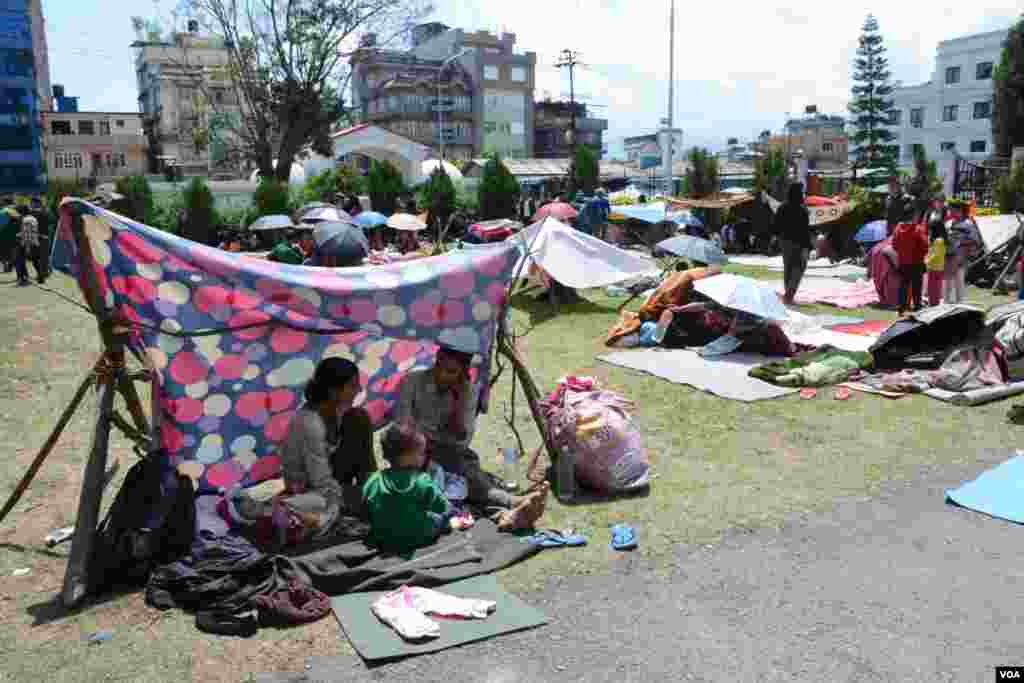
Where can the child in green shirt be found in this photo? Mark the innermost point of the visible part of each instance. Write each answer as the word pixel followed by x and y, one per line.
pixel 405 508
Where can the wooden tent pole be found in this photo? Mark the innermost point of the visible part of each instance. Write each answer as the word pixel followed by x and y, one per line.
pixel 76 576
pixel 33 469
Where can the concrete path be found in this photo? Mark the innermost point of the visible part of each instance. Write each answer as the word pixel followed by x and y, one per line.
pixel 895 587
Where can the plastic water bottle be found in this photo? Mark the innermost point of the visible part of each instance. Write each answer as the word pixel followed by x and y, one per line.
pixel 565 472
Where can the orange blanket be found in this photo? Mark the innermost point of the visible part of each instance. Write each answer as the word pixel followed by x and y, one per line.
pixel 674 291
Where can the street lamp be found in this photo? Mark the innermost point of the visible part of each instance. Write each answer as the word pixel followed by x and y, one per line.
pixel 440 108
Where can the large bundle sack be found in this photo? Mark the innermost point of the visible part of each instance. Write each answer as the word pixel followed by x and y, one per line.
pixel 596 427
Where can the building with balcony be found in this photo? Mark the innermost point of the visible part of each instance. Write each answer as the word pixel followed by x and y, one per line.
pixel 24 94
pixel 553 123
pixel 465 94
pixel 98 145
pixel 187 101
pixel 819 138
pixel 951 113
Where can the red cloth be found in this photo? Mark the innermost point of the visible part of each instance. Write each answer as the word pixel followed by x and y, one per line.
pixel 911 244
pixel 935 281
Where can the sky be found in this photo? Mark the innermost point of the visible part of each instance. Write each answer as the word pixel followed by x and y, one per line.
pixel 740 66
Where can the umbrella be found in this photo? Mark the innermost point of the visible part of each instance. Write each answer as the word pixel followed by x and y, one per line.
pixel 735 190
pixel 693 248
pixel 326 213
pixel 272 222
pixel 558 210
pixel 406 222
pixel 933 331
pixel 655 212
pixel 370 219
pixel 311 206
pixel 875 231
pixel 339 244
pixel 742 294
pixel 685 217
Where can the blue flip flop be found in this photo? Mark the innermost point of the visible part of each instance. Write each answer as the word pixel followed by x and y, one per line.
pixel 623 537
pixel 553 539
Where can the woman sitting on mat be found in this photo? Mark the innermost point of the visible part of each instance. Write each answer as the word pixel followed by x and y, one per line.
pixel 327 454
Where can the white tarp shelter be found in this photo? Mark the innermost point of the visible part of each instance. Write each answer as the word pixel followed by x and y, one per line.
pixel 997 230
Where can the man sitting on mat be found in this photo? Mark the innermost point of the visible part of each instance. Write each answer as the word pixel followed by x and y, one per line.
pixel 442 402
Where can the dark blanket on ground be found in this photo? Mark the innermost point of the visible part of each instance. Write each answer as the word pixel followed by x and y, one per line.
pixel 353 566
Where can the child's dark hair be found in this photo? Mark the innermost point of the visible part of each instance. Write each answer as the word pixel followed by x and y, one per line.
pixel 330 373
pixel 398 439
pixel 936 230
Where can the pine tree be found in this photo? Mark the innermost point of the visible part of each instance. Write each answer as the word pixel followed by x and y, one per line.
pixel 702 176
pixel 499 191
pixel 871 105
pixel 1008 94
pixel 385 184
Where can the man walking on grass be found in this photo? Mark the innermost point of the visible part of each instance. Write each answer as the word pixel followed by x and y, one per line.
pixel 28 244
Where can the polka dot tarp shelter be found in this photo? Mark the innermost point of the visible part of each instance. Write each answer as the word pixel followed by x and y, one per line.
pixel 235 338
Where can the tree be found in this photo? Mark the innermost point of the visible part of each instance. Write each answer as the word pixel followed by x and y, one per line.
pixel 1008 94
pixel 770 174
pixel 585 172
pixel 272 198
pixel 384 184
pixel 325 186
pixel 926 181
pixel 1009 190
pixel 200 214
pixel 499 191
pixel 288 65
pixel 438 197
pixel 137 202
pixel 702 176
pixel 871 106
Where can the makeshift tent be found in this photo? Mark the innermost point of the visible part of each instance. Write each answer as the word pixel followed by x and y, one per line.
pixel 576 259
pixel 694 249
pixel 925 337
pixel 228 341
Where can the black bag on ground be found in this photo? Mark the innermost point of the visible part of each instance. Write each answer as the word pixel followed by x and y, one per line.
pixel 151 522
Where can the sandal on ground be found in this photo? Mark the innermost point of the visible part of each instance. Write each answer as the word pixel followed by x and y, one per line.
pixel 553 539
pixel 623 537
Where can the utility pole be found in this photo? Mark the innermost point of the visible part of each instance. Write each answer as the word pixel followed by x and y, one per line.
pixel 570 59
pixel 669 138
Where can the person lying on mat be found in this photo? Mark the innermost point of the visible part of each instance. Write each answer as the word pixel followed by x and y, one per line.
pixel 441 402
pixel 327 453
pixel 405 508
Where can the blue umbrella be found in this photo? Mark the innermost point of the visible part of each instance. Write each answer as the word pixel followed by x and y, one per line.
pixel 685 218
pixel 339 244
pixel 370 219
pixel 693 249
pixel 654 212
pixel 875 231
pixel 272 222
pixel 323 214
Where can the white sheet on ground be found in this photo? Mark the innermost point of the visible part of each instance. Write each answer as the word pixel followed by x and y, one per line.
pixel 977 397
pixel 724 376
pixel 805 329
pixel 579 260
pixel 822 267
pixel 997 230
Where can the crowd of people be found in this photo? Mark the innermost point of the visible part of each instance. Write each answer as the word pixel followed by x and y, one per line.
pixel 25 239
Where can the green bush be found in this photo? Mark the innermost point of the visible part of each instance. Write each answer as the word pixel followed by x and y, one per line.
pixel 272 197
pixel 165 215
pixel 201 218
pixel 137 203
pixel 499 191
pixel 438 197
pixel 59 188
pixel 467 199
pixel 1009 190
pixel 326 186
pixel 586 172
pixel 384 185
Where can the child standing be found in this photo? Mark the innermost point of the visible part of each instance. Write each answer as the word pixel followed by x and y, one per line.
pixel 911 245
pixel 935 261
pixel 405 508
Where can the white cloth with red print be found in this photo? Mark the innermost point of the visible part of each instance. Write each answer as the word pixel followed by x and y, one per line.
pixel 406 610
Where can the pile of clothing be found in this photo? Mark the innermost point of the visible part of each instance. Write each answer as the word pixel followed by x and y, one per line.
pixel 821 367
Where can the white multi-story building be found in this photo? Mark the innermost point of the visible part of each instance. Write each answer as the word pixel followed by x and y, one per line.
pixel 953 111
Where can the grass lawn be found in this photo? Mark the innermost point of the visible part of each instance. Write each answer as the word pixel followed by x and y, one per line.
pixel 718 464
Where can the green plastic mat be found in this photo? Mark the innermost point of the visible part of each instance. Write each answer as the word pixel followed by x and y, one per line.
pixel 374 640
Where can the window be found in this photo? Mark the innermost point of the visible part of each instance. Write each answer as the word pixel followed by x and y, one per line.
pixel 947 146
pixel 119 123
pixel 110 162
pixel 949 112
pixel 491 72
pixel 983 71
pixel 119 160
pixel 978 146
pixel 518 74
pixel 86 128
pixel 896 117
pixel 60 128
pixel 952 75
pixel 982 110
pixel 826 147
pixel 917 117
pixel 104 127
pixel 67 160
